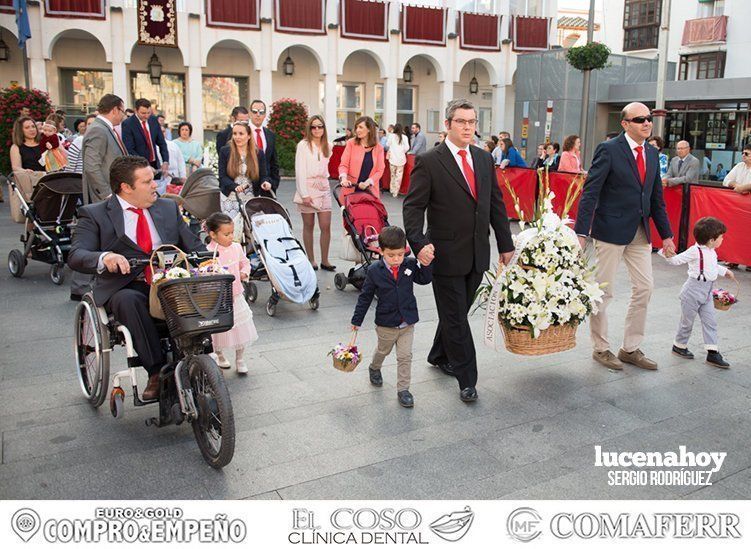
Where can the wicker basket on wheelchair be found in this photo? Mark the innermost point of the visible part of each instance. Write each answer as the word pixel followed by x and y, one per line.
pixel 197 305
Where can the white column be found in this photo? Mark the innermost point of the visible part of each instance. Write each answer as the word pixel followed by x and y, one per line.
pixel 194 79
pixel 119 67
pixel 389 107
pixel 120 81
pixel 265 82
pixel 447 94
pixel 35 50
pixel 500 120
pixel 329 100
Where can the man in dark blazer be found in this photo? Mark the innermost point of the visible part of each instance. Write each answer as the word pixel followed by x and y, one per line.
pixel 265 141
pixel 128 226
pixel 622 192
pixel 239 114
pixel 456 184
pixel 142 136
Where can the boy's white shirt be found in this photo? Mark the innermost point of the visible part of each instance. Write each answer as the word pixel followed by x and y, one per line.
pixel 712 269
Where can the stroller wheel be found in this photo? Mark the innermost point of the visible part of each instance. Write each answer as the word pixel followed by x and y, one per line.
pixel 57 273
pixel 251 292
pixel 313 303
pixel 340 281
pixel 16 263
pixel 271 307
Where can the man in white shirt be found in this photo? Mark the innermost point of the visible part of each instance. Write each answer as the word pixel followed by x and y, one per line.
pixel 739 178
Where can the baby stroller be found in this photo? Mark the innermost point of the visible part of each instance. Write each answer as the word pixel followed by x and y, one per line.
pixel 364 217
pixel 276 255
pixel 199 198
pixel 50 215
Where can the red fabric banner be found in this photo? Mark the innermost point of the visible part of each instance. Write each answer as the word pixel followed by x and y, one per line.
pixel 530 33
pixel 300 16
pixel 364 20
pixel 83 9
pixel 705 31
pixel 6 6
pixel 674 205
pixel 233 14
pixel 157 23
pixel 479 32
pixel 560 182
pixel 734 210
pixel 424 25
pixel 524 183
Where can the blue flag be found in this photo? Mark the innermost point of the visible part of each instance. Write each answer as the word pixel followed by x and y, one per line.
pixel 22 20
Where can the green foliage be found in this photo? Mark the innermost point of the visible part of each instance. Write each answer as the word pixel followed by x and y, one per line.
pixel 287 120
pixel 589 57
pixel 11 102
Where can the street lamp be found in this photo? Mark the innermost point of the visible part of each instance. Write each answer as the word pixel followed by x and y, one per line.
pixel 289 65
pixel 407 76
pixel 4 50
pixel 474 86
pixel 155 69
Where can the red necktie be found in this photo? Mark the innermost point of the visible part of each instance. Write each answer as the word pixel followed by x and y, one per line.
pixel 119 141
pixel 143 238
pixel 147 136
pixel 469 175
pixel 640 165
pixel 259 141
pixel 395 271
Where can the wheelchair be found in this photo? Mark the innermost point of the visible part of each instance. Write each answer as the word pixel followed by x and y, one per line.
pixel 191 386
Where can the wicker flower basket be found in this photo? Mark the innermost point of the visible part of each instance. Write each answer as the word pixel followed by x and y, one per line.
pixel 555 339
pixel 720 306
pixel 347 365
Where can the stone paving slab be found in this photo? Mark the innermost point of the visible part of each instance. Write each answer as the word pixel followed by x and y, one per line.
pixel 308 431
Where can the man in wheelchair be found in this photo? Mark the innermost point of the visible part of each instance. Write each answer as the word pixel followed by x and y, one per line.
pixel 129 225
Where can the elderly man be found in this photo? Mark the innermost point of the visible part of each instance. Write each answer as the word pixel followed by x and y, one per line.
pixel 739 178
pixel 622 192
pixel 684 168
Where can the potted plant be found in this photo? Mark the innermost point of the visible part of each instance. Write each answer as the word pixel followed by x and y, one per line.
pixel 588 57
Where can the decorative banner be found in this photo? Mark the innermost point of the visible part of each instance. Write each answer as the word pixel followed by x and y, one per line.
pixel 364 20
pixel 479 32
pixel 78 9
pixel 300 16
pixel 421 25
pixel 705 31
pixel 548 121
pixel 525 128
pixel 530 33
pixel 233 14
pixel 157 23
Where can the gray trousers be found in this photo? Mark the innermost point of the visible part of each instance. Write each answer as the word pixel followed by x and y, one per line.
pixel 696 298
pixel 80 283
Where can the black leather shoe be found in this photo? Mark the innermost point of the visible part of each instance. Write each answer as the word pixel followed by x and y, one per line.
pixel 406 399
pixel 714 358
pixel 469 394
pixel 75 297
pixel 375 377
pixel 683 353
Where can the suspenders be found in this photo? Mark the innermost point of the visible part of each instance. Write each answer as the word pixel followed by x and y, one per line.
pixel 701 276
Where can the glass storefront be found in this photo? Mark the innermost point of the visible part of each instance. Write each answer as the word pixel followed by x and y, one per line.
pixel 220 95
pixel 168 98
pixel 82 89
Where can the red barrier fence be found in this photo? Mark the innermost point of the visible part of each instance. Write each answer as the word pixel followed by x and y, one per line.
pixel 524 183
pixel 733 209
pixel 674 206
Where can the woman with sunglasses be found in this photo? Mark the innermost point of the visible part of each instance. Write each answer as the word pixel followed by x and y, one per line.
pixel 313 195
pixel 240 169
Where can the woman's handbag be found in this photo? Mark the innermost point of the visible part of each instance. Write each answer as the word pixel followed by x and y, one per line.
pixel 349 250
pixel 155 307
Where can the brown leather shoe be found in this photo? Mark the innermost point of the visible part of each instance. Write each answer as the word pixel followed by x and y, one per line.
pixel 607 359
pixel 151 392
pixel 637 358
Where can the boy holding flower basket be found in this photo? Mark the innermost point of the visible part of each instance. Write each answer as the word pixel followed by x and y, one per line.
pixel 392 279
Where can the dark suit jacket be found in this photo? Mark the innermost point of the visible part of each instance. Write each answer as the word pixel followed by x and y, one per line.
pixel 136 144
pixel 614 202
pixel 227 184
pixel 222 137
pixel 270 158
pixel 458 226
pixel 101 228
pixel 396 298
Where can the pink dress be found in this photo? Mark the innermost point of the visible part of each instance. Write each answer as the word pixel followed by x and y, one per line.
pixel 244 331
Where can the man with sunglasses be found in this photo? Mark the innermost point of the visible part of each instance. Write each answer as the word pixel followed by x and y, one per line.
pixel 739 178
pixel 265 141
pixel 622 192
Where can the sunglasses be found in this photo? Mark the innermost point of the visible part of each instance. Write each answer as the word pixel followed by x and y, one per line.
pixel 258 111
pixel 316 127
pixel 746 153
pixel 640 119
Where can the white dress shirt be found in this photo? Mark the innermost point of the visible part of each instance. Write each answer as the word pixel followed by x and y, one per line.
pixel 740 175
pixel 712 269
pixel 176 165
pixel 633 144
pixel 455 153
pixel 263 135
pixel 130 223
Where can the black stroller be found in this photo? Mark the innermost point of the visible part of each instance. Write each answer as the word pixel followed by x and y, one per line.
pixel 50 217
pixel 198 198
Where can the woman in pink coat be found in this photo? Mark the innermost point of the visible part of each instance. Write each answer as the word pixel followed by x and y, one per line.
pixel 571 155
pixel 363 161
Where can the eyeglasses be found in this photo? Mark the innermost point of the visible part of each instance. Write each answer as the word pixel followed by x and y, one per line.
pixel 464 123
pixel 316 127
pixel 640 119
pixel 258 111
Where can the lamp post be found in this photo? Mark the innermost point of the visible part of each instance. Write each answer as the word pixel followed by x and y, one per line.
pixel 659 111
pixel 585 84
pixel 155 69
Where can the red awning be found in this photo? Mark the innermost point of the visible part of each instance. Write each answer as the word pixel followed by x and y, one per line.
pixel 364 20
pixel 233 14
pixel 479 32
pixel 705 31
pixel 424 25
pixel 530 33
pixel 84 9
pixel 300 16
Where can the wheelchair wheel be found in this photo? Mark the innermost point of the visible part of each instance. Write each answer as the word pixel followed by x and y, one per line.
pixel 214 428
pixel 92 363
pixel 16 263
pixel 57 273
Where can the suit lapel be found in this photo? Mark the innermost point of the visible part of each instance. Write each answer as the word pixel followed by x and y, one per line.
pixel 156 216
pixel 478 166
pixel 449 164
pixel 116 215
pixel 629 154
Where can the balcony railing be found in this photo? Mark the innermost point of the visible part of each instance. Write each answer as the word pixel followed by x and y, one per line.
pixel 708 30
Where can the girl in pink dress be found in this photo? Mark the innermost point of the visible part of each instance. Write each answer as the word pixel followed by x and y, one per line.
pixel 230 255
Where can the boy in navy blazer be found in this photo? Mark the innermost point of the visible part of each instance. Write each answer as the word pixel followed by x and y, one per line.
pixel 392 279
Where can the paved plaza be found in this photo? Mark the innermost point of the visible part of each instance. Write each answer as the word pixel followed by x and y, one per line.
pixel 307 431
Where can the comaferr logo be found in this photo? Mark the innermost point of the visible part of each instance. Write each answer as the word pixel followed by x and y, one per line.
pixel 204 323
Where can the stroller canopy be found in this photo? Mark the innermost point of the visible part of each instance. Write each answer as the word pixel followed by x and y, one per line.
pixel 56 197
pixel 200 193
pixel 265 205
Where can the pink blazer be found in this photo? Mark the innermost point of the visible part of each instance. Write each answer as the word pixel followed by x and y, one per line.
pixel 570 162
pixel 351 163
